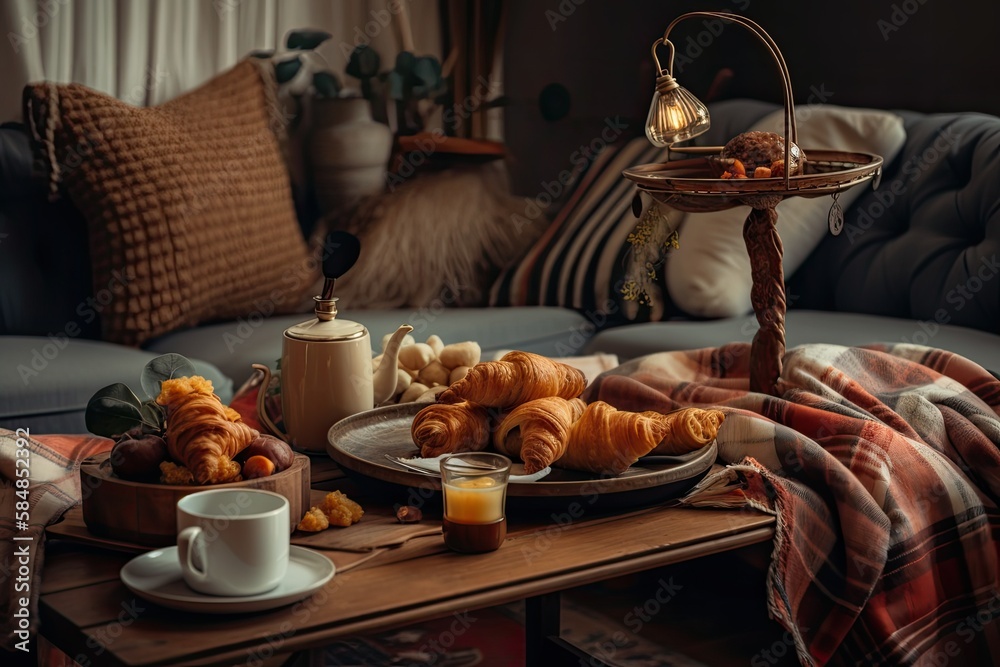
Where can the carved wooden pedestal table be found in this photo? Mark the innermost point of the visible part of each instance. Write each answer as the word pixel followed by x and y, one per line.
pixel 695 185
pixel 689 185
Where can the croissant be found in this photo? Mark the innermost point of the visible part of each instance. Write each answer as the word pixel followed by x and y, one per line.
pixel 607 441
pixel 517 378
pixel 689 429
pixel 444 428
pixel 202 433
pixel 536 432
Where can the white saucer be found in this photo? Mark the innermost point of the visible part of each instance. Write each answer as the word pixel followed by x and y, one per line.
pixel 156 576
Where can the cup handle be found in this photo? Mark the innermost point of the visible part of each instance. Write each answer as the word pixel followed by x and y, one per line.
pixel 185 553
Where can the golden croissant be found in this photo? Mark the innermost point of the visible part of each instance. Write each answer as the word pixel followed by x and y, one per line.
pixel 203 434
pixel 606 441
pixel 537 431
pixel 689 429
pixel 517 378
pixel 446 427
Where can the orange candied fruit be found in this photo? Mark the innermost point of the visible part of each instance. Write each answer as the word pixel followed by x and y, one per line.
pixel 314 521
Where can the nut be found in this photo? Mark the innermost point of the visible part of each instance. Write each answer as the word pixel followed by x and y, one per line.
pixel 409 514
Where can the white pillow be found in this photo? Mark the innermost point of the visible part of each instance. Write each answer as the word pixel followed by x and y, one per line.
pixel 709 275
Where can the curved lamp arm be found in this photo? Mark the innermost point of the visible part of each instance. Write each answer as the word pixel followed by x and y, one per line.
pixel 791 131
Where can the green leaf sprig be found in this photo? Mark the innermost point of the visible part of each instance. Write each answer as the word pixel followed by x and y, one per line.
pixel 115 409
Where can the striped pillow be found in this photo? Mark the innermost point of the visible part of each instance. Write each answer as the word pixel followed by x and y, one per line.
pixel 581 260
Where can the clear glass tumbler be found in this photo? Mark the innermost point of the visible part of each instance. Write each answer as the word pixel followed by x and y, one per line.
pixel 474 487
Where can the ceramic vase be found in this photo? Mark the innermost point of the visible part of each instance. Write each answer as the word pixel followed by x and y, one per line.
pixel 348 152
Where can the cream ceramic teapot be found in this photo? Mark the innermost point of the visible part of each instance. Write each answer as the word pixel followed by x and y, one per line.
pixel 326 365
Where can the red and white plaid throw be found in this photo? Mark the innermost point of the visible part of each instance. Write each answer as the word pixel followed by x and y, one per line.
pixel 49 488
pixel 882 466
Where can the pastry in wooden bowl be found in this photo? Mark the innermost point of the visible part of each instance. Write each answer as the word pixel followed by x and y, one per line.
pixel 201 433
pixel 145 513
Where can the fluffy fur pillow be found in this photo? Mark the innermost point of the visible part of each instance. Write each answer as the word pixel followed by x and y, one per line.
pixel 438 239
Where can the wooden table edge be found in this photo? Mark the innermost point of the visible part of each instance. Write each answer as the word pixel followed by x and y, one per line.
pixel 319 636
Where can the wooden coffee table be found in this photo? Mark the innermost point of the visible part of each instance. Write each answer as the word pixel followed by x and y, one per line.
pixel 89 614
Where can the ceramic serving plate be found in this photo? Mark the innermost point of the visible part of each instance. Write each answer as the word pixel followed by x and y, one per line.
pixel 360 442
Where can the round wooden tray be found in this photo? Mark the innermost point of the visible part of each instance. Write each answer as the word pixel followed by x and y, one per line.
pixel 146 514
pixel 360 442
pixel 691 185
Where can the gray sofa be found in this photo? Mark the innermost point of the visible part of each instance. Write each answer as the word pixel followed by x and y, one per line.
pixel 926 272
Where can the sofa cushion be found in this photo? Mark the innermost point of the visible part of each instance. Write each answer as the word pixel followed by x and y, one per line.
pixel 579 260
pixel 710 275
pixel 234 346
pixel 45 272
pixel 47 382
pixel 802 326
pixel 926 244
pixel 188 204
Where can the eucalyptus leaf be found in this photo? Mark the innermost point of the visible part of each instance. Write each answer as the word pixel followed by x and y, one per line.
pixel 302 40
pixel 326 85
pixel 286 70
pixel 428 69
pixel 395 81
pixel 364 62
pixel 164 367
pixel 113 410
pixel 153 412
pixel 405 61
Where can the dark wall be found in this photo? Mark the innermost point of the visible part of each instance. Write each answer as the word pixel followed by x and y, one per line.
pixel 922 55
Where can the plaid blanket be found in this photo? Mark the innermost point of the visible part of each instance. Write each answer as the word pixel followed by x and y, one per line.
pixel 28 503
pixel 881 464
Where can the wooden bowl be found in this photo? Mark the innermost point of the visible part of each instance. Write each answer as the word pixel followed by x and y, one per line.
pixel 146 514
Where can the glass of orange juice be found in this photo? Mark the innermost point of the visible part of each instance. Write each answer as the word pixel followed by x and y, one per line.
pixel 474 487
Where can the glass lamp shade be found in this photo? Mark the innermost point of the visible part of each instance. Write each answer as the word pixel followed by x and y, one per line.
pixel 675 115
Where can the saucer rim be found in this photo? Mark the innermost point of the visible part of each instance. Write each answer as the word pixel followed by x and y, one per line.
pixel 317 563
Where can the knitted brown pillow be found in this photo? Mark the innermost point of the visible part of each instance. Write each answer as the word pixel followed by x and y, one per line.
pixel 189 206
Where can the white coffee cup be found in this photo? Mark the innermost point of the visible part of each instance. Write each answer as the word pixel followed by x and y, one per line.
pixel 233 541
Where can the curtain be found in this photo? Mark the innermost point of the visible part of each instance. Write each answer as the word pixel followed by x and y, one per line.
pixel 473 43
pixel 148 51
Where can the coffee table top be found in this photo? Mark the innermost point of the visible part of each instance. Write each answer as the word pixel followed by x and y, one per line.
pixel 86 610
